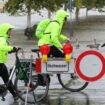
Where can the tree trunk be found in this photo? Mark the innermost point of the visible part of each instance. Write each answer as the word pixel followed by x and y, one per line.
pixel 86 12
pixel 77 14
pixel 29 18
pixel 49 14
pixel 65 6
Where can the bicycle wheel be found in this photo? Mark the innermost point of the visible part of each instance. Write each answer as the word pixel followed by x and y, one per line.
pixel 34 92
pixel 72 82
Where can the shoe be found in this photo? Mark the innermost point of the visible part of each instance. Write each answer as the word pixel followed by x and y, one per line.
pixel 41 80
pixel 15 97
pixel 3 89
pixel 74 76
pixel 40 83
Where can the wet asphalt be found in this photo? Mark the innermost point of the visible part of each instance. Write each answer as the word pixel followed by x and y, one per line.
pixel 94 94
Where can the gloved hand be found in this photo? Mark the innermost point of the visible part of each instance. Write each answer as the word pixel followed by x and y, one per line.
pixel 15 49
pixel 103 45
pixel 12 51
pixel 68 40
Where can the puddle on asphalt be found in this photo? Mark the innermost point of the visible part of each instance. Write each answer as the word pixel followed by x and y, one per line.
pixel 69 99
pixel 65 98
pixel 62 97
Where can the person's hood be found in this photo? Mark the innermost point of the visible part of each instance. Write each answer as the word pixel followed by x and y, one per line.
pixel 4 29
pixel 60 15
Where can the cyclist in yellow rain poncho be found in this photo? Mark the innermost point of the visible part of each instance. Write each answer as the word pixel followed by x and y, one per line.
pixel 52 34
pixel 5 33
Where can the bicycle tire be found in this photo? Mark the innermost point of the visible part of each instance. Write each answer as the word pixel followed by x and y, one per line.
pixel 70 82
pixel 33 89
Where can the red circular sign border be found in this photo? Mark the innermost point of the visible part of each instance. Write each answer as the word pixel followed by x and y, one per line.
pixel 81 75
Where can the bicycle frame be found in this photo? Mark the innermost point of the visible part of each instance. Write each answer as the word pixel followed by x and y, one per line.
pixel 12 73
pixel 17 63
pixel 36 87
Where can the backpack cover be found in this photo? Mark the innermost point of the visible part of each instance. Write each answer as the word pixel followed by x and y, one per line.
pixel 41 28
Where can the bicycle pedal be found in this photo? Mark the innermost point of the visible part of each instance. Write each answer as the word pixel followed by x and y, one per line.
pixel 75 77
pixel 29 85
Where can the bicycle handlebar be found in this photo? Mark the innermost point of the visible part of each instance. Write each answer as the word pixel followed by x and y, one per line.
pixel 18 49
pixel 35 50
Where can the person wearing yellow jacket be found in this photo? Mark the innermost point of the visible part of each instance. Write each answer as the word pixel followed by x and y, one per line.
pixel 52 34
pixel 5 34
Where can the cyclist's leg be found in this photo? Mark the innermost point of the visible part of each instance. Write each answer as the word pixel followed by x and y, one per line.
pixel 5 77
pixel 55 52
pixel 41 80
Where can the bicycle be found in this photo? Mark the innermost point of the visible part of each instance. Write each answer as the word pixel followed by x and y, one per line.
pixel 38 91
pixel 25 85
pixel 3 87
pixel 67 84
pixel 19 71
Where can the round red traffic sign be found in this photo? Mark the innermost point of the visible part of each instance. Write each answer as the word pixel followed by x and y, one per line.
pixel 79 71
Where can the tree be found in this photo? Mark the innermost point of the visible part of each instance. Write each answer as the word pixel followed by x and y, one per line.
pixel 100 4
pixel 78 5
pixel 1 7
pixel 13 6
pixel 88 4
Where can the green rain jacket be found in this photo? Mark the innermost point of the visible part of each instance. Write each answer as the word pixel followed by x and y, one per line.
pixel 54 28
pixel 4 46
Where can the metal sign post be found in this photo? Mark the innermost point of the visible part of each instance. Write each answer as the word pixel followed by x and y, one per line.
pixel 70 21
